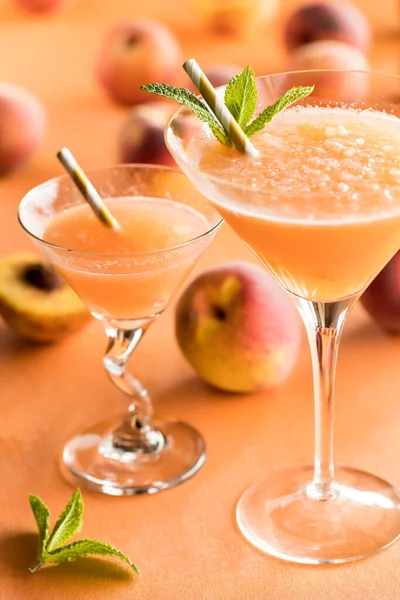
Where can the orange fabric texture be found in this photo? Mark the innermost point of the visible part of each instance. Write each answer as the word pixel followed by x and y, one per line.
pixel 185 541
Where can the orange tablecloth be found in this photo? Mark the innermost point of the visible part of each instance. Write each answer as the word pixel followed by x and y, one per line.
pixel 185 541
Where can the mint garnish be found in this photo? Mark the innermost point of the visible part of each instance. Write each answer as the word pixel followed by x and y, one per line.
pixel 241 100
pixel 183 96
pixel 288 98
pixel 241 96
pixel 51 548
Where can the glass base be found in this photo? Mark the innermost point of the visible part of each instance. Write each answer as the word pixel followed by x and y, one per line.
pixel 280 517
pixel 91 460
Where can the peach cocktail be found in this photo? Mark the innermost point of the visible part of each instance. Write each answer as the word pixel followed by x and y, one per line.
pixel 317 163
pixel 148 225
pixel 320 207
pixel 126 277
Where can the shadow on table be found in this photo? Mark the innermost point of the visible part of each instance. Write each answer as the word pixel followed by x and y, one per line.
pixel 18 552
pixel 11 344
pixel 370 332
pixel 363 330
pixel 198 390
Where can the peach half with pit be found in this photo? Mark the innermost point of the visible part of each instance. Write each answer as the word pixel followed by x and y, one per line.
pixel 35 302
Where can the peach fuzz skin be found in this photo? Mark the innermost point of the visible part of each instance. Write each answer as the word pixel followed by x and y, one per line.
pixel 238 329
pixel 22 125
pixel 141 138
pixel 135 53
pixel 42 6
pixel 327 20
pixel 328 54
pixel 381 299
pixel 332 55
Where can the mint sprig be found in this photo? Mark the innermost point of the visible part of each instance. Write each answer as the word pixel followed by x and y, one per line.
pixel 288 98
pixel 83 548
pixel 240 97
pixel 69 523
pixel 183 96
pixel 51 547
pixel 42 518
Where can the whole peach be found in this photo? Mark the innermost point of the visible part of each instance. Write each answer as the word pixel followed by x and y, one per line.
pixel 381 299
pixel 238 329
pixel 328 20
pixel 328 54
pixel 22 125
pixel 42 6
pixel 345 85
pixel 239 17
pixel 141 138
pixel 135 53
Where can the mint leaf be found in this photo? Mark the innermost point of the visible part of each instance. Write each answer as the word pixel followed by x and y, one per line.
pixel 68 524
pixel 183 96
pixel 83 548
pixel 241 96
pixel 291 96
pixel 240 99
pixel 42 518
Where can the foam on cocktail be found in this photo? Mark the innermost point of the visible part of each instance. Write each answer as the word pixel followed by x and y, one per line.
pixel 320 206
pixel 315 164
pixel 135 274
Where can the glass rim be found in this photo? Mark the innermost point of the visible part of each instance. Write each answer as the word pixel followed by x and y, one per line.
pixel 126 255
pixel 274 192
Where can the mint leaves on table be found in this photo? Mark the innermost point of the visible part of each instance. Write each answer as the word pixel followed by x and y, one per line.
pixel 52 549
pixel 240 98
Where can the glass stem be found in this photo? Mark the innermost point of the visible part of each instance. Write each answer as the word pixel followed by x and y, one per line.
pixel 324 323
pixel 136 433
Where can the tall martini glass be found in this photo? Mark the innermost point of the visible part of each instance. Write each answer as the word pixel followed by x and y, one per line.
pixel 320 207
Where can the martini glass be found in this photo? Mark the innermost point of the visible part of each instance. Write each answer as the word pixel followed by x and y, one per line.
pixel 322 213
pixel 126 288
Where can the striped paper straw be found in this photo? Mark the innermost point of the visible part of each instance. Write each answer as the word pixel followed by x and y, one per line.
pixel 87 189
pixel 218 107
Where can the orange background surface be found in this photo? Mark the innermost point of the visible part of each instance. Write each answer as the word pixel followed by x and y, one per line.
pixel 185 541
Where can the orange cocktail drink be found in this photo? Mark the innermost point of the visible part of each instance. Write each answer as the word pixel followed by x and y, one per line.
pixel 319 204
pixel 135 286
pixel 326 219
pixel 126 276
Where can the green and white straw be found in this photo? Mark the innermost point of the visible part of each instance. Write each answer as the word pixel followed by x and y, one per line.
pixel 217 105
pixel 87 189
